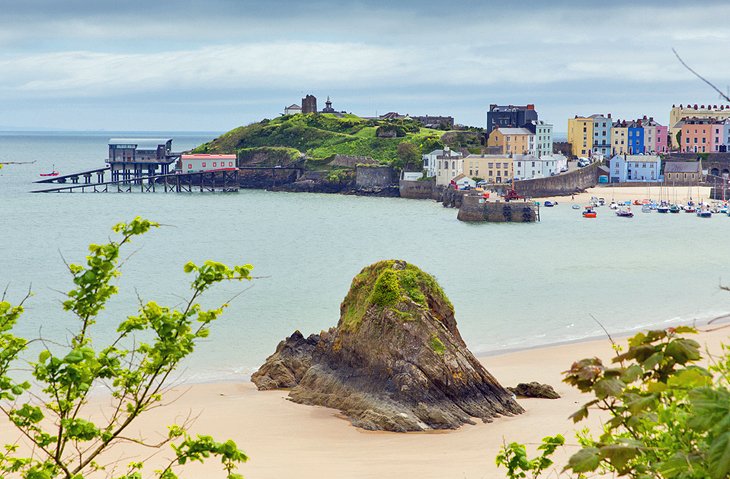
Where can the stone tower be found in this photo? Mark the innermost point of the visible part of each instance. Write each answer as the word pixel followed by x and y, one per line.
pixel 309 104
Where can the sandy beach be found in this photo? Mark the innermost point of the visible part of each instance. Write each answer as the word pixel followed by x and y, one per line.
pixel 680 194
pixel 284 439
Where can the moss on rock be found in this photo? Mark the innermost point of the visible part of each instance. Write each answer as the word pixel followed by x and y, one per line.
pixel 391 284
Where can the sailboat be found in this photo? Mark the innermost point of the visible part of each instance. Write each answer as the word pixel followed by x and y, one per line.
pixel 674 208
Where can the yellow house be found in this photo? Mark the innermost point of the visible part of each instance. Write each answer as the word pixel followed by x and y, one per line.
pixel 580 135
pixel 619 138
pixel 512 141
pixel 492 168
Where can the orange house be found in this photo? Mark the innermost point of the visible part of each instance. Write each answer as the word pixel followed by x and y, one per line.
pixel 696 135
pixel 512 141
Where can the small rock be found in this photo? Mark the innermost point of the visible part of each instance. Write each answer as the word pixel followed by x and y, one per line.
pixel 535 390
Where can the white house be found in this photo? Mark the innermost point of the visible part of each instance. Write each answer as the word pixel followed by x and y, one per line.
pixel 292 109
pixel 543 144
pixel 462 182
pixel 528 167
pixel 430 159
pixel 635 168
pixel 200 162
pixel 411 175
pixel 448 167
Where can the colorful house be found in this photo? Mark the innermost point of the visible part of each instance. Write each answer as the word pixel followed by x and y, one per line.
pixel 543 138
pixel 601 135
pixel 696 134
pixel 619 138
pixel 580 135
pixel 635 138
pixel 635 168
pixel 512 141
pixel 679 113
pixel 492 168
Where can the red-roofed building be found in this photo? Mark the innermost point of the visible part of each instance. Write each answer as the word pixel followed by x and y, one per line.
pixel 195 163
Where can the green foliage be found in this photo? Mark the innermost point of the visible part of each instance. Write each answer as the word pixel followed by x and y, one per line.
pixel 669 418
pixel 437 345
pixel 268 156
pixel 408 157
pixel 322 136
pixel 340 175
pixel 388 284
pixel 135 367
pixel 514 458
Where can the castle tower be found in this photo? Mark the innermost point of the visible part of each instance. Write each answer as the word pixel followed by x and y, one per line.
pixel 309 104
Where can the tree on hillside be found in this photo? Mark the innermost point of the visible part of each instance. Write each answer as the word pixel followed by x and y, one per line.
pixel 56 435
pixel 408 156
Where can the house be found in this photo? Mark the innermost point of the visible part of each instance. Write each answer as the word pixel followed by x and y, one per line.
pixel 601 143
pixel 448 167
pixel 494 169
pixel 292 109
pixel 463 182
pixel 196 163
pixel 635 131
pixel 430 159
pixel 512 141
pixel 635 168
pixel 135 156
pixel 543 137
pixel 580 135
pixel 678 113
pixel 527 167
pixel 510 116
pixel 682 172
pixel 619 138
pixel 696 134
pixel 655 136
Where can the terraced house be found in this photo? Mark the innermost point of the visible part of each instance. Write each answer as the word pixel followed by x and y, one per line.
pixel 601 135
pixel 512 141
pixel 580 136
pixel 494 169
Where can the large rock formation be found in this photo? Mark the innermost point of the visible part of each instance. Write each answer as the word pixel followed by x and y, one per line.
pixel 395 361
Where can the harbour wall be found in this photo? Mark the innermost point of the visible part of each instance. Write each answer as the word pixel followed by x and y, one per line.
pixel 474 208
pixel 560 185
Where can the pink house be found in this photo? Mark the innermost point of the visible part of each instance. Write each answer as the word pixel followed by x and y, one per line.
pixel 662 137
pixel 697 135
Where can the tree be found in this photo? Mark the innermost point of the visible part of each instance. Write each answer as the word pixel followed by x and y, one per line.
pixel 408 156
pixel 64 442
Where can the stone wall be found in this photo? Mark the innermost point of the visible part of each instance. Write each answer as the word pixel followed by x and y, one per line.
pixel 374 177
pixel 476 209
pixel 417 190
pixel 560 185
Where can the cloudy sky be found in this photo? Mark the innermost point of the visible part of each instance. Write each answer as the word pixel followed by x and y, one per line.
pixel 215 64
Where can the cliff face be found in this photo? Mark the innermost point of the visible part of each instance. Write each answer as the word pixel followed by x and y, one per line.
pixel 395 361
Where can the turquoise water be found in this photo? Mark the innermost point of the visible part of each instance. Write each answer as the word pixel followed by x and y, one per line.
pixel 513 285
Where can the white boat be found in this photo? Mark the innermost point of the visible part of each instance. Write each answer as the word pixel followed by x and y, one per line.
pixel 613 205
pixel 646 208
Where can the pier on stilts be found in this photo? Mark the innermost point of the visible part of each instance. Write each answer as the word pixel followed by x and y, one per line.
pixel 203 181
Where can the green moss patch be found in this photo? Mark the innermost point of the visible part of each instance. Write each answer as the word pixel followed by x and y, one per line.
pixel 437 345
pixel 389 284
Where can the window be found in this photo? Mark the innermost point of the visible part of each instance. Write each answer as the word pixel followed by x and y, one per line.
pixel 215 164
pixel 490 165
pixel 203 164
pixel 230 163
pixel 190 166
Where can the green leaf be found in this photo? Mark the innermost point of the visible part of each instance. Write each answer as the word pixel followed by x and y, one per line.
pixel 719 456
pixel 585 460
pixel 608 388
pixel 683 350
pixel 619 454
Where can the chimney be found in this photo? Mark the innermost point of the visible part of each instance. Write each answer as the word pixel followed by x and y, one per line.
pixel 530 106
pixel 609 115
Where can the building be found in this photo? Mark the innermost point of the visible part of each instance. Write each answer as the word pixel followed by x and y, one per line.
pixel 512 141
pixel 619 138
pixel 463 182
pixel 328 106
pixel 527 167
pixel 635 135
pixel 580 136
pixel 696 134
pixel 195 163
pixel 656 136
pixel 448 168
pixel 635 168
pixel 292 109
pixel 682 172
pixel 510 116
pixel 309 104
pixel 678 113
pixel 543 138
pixel 436 122
pixel 130 157
pixel 430 159
pixel 601 144
pixel 494 169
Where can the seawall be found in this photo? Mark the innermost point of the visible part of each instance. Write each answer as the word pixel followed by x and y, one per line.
pixel 474 208
pixel 560 185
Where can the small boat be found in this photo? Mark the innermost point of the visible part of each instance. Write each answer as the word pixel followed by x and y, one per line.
pixel 704 212
pixel 549 204
pixel 690 209
pixel 576 207
pixel 674 209
pixel 589 212
pixel 646 208
pixel 601 202
pixel 637 203
pixel 613 205
pixel 662 208
pixel 625 213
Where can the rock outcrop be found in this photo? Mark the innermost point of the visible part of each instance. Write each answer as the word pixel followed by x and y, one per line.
pixel 395 361
pixel 535 390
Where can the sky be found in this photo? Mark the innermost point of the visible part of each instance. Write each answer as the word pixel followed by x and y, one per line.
pixel 184 65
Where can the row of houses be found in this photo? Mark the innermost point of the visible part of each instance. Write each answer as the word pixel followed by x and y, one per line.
pixel 648 169
pixel 599 135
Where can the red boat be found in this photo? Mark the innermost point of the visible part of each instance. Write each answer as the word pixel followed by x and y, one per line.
pixel 589 212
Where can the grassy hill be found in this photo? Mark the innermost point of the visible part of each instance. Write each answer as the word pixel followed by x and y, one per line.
pixel 321 136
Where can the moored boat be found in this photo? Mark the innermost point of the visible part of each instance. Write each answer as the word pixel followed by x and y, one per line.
pixel 589 212
pixel 624 213
pixel 646 208
pixel 704 212
pixel 674 209
pixel 662 208
pixel 549 203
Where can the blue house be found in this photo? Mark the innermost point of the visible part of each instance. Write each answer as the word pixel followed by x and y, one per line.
pixel 635 168
pixel 636 138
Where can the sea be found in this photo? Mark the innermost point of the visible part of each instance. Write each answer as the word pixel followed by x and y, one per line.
pixel 514 286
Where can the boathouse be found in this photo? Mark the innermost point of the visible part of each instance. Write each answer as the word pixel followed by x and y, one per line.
pixel 136 157
pixel 195 163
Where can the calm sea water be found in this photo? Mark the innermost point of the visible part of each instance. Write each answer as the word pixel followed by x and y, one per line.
pixel 513 285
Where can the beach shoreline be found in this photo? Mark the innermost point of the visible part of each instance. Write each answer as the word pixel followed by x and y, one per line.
pixel 284 439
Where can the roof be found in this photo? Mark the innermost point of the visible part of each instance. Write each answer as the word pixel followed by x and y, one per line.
pixel 205 156
pixel 460 177
pixel 293 107
pixel 514 131
pixel 682 167
pixel 140 143
pixel 490 157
